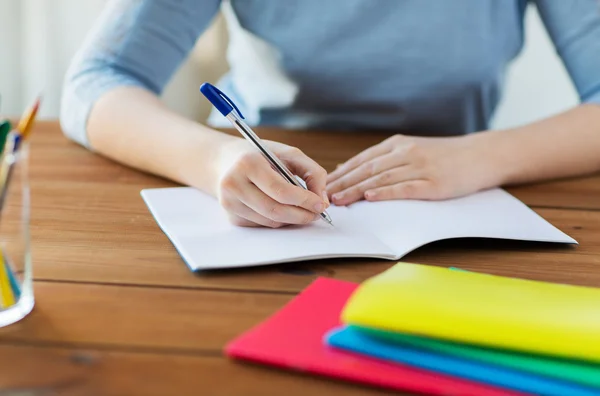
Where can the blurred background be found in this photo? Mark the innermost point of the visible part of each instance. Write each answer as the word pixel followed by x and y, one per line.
pixel 39 37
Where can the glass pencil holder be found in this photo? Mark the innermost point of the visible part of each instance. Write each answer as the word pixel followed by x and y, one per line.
pixel 16 283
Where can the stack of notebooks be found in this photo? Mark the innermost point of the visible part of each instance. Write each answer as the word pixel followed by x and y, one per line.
pixel 438 331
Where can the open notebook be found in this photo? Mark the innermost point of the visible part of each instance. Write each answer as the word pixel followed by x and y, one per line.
pixel 198 227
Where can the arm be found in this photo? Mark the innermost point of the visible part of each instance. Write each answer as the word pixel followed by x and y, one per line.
pixel 170 145
pixel 110 102
pixel 564 145
pixel 567 144
pixel 111 105
pixel 405 167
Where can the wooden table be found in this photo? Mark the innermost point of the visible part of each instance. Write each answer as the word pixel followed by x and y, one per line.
pixel 118 313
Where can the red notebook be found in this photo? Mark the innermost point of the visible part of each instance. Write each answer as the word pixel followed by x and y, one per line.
pixel 293 339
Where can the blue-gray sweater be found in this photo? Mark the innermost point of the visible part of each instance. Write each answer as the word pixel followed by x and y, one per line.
pixel 431 67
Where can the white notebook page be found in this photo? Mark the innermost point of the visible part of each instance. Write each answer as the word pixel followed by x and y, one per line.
pixel 407 225
pixel 198 227
pixel 203 236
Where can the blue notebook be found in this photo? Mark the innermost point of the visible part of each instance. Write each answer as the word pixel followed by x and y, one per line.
pixel 353 340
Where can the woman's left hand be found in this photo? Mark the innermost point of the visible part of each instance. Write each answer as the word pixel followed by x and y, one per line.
pixel 406 167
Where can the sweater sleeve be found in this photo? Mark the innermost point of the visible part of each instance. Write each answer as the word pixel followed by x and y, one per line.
pixel 574 26
pixel 136 43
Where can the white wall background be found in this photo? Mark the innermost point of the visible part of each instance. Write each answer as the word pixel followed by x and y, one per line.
pixel 528 95
pixel 38 38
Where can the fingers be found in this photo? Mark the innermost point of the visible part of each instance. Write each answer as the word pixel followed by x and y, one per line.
pixel 270 209
pixel 278 189
pixel 412 189
pixel 232 187
pixel 367 171
pixel 241 215
pixel 310 171
pixel 253 193
pixel 390 177
pixel 359 159
pixel 253 206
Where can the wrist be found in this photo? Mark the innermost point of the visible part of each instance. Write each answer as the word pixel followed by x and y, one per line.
pixel 199 164
pixel 494 164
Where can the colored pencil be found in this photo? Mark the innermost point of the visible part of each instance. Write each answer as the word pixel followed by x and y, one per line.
pixel 12 146
pixel 14 282
pixel 28 119
pixel 6 294
pixel 7 298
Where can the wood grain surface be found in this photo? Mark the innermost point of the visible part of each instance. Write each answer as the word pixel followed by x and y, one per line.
pixel 69 371
pixel 119 313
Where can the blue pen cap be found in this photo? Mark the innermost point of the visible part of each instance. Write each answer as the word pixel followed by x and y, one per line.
pixel 219 99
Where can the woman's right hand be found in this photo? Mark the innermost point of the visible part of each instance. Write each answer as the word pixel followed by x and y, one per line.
pixel 254 194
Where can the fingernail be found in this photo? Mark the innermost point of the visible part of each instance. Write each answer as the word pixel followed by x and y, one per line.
pixel 320 207
pixel 337 197
pixel 325 198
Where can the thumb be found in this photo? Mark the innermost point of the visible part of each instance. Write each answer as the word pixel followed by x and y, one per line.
pixel 311 174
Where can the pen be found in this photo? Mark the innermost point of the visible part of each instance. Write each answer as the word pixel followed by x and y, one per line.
pixel 234 115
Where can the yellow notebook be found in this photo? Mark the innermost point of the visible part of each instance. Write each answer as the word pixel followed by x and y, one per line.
pixel 483 309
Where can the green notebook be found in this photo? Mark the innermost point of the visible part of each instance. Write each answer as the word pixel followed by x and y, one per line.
pixel 570 370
